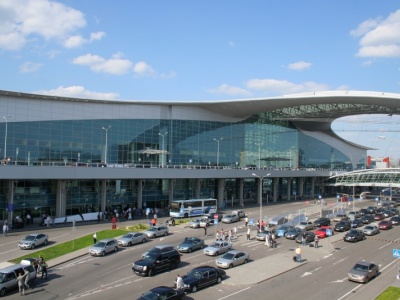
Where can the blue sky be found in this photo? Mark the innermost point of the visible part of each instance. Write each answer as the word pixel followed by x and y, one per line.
pixel 206 50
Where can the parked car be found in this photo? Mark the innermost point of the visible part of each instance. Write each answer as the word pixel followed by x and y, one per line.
pixel 194 223
pixel 367 219
pixel 371 230
pixel 394 211
pixel 363 211
pixel 292 233
pixel 239 213
pixel 156 231
pixel 354 235
pixel 230 219
pixel 310 237
pixel 103 247
pixel 32 240
pixel 371 209
pixel 154 262
pixel 342 226
pixel 132 238
pixel 201 277
pixel 262 235
pixel 385 225
pixel 232 258
pixel 387 213
pixel 190 243
pixel 218 247
pixel 340 217
pixel 305 225
pixel 8 277
pixel 363 272
pixel 324 231
pixel 395 220
pixel 321 222
pixel 211 216
pixel 355 214
pixel 165 293
pixel 379 216
pixel 283 229
pixel 356 223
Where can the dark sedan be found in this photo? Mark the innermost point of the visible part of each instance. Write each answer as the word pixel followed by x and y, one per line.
pixel 395 220
pixel 367 219
pixel 385 225
pixel 357 223
pixel 321 222
pixel 310 237
pixel 163 292
pixel 354 236
pixel 342 226
pixel 201 277
pixel 379 216
pixel 292 233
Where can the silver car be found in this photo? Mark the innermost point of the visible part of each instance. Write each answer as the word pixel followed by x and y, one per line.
pixel 103 247
pixel 217 248
pixel 194 223
pixel 363 271
pixel 371 230
pixel 305 225
pixel 132 238
pixel 230 219
pixel 33 240
pixel 232 258
pixel 156 231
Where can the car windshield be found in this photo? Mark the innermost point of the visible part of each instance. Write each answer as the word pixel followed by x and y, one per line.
pixel 369 227
pixel 362 268
pixel 322 229
pixel 149 256
pixel 2 277
pixel 100 245
pixel 228 256
pixel 150 295
pixel 215 245
pixel 228 216
pixel 195 274
pixel 303 223
pixel 353 232
pixel 29 237
pixel 152 229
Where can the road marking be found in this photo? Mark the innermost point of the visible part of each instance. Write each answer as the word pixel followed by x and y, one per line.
pixel 227 296
pixel 339 280
pixel 339 261
pixel 306 274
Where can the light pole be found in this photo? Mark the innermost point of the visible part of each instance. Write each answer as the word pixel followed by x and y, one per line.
pixel 218 140
pixel 261 178
pixel 5 136
pixel 105 150
pixel 162 153
pixel 259 154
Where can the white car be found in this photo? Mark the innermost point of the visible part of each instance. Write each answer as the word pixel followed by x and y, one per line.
pixel 230 219
pixel 232 259
pixel 194 223
pixel 132 238
pixel 217 248
pixel 33 240
pixel 156 231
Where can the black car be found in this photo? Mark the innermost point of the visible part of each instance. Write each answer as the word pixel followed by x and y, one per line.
pixel 201 277
pixel 153 262
pixel 211 216
pixel 363 211
pixel 342 226
pixel 163 292
pixel 356 223
pixel 310 237
pixel 371 209
pixel 322 222
pixel 395 220
pixel 367 219
pixel 354 236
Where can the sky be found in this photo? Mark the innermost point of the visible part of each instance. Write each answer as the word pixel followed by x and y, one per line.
pixel 207 50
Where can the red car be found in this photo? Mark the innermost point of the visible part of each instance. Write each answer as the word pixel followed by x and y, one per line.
pixel 379 216
pixel 385 225
pixel 321 232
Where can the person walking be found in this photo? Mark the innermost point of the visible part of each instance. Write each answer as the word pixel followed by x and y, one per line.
pixel 21 283
pixel 246 221
pixel 205 230
pixel 303 239
pixel 316 241
pixel 248 233
pixel 217 236
pixel 5 229
pixel 179 283
pixel 94 238
pixel 298 254
pixel 235 232
pixel 273 240
pixel 27 278
pixel 230 236
pixel 44 269
pixel 222 235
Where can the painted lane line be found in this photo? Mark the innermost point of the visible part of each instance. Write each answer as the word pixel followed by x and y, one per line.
pixel 227 296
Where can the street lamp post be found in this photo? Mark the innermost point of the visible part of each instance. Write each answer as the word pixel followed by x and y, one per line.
pixel 259 154
pixel 218 140
pixel 105 150
pixel 5 136
pixel 261 178
pixel 162 154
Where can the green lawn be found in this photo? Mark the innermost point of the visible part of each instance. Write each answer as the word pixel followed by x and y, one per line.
pixel 84 242
pixel 391 293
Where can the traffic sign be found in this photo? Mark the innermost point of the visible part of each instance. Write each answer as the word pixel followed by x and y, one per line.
pixel 216 222
pixel 281 232
pixel 216 217
pixel 329 232
pixel 396 253
pixel 251 222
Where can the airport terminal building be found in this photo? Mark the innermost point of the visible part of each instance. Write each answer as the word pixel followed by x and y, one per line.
pixel 70 155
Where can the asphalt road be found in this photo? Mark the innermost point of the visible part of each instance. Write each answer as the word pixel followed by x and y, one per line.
pixel 111 276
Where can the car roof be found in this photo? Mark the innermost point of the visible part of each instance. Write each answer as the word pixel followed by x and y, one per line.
pixel 203 268
pixel 12 268
pixel 161 289
pixel 163 246
pixel 364 263
pixel 106 240
pixel 235 251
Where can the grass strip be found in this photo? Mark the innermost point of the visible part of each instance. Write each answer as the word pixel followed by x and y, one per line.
pixel 391 293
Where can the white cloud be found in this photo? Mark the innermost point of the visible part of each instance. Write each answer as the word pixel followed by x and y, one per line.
pixel 284 87
pixel 141 68
pixel 77 92
pixel 44 18
pixel 78 40
pixel 380 37
pixel 229 90
pixel 299 66
pixel 115 65
pixel 29 67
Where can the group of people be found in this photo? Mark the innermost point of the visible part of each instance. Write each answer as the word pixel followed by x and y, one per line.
pixel 226 235
pixel 23 279
pixel 270 240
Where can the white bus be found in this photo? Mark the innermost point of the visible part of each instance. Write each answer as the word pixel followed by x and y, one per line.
pixel 192 207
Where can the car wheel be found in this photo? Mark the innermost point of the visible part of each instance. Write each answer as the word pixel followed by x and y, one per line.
pixel 246 261
pixel 190 250
pixel 230 266
pixel 151 272
pixel 219 279
pixel 143 241
pixel 154 236
pixel 103 253
pixel 194 289
pixel 201 246
pixel 216 253
pixel 115 249
pixel 45 242
pixel 165 234
pixel 129 244
pixel 366 280
pixel 33 246
pixel 3 292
